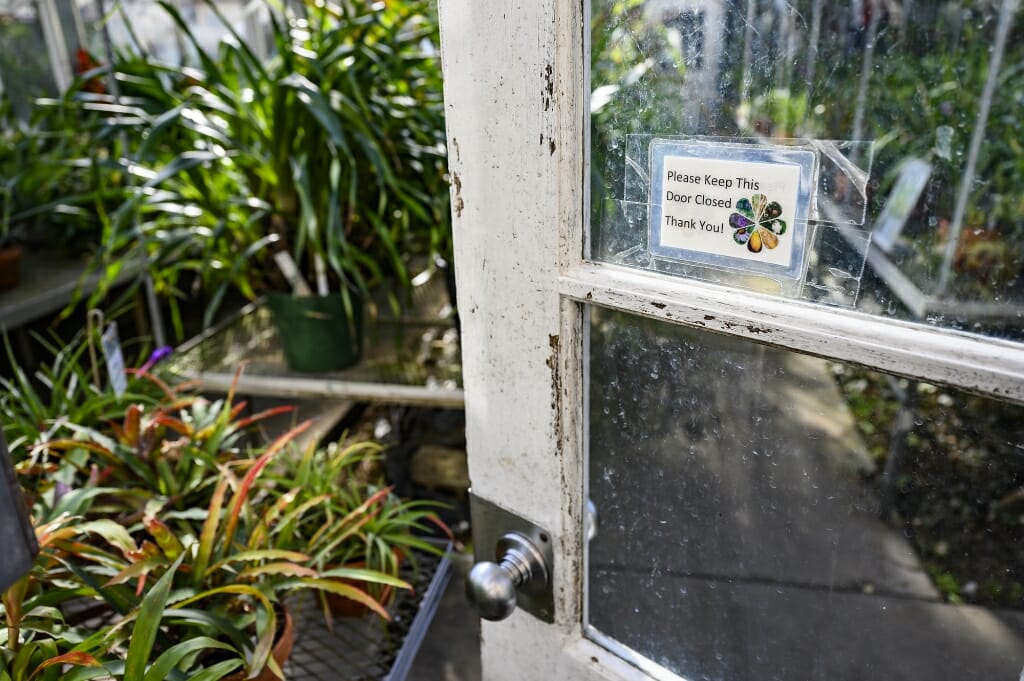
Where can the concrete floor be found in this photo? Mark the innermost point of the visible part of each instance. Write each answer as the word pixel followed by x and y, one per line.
pixel 451 649
pixel 738 538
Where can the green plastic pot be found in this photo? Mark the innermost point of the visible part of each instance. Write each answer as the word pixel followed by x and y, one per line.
pixel 317 333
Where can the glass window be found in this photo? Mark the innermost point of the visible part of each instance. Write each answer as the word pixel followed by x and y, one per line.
pixel 764 515
pixel 927 97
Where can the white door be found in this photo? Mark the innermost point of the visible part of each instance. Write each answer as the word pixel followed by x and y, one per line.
pixel 803 450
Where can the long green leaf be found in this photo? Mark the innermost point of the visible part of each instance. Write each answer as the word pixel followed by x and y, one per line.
pixel 265 638
pixel 364 575
pixel 221 625
pixel 208 535
pixel 170 658
pixel 341 589
pixel 217 671
pixel 146 626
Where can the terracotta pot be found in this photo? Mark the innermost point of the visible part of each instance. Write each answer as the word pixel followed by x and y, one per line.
pixel 281 651
pixel 10 267
pixel 346 607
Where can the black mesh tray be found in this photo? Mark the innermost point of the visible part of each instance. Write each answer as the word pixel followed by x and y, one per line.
pixel 368 648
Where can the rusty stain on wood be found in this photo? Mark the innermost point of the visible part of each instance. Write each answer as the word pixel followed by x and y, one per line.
pixel 458 203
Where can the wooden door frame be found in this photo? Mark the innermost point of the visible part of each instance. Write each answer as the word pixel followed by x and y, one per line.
pixel 516 101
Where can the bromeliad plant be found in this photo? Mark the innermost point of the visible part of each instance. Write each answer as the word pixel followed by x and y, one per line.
pixel 163 459
pixel 44 640
pixel 64 395
pixel 156 513
pixel 225 574
pixel 352 527
pixel 64 389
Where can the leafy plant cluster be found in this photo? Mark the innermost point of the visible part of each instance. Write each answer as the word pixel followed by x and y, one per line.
pixel 331 148
pixel 57 180
pixel 171 537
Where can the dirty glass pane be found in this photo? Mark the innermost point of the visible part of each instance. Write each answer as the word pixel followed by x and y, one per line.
pixel 24 65
pixel 765 515
pixel 936 88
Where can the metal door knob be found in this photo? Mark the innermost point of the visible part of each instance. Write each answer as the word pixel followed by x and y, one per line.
pixel 492 587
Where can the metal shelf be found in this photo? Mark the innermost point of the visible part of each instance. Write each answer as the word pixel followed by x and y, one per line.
pixel 368 648
pixel 412 359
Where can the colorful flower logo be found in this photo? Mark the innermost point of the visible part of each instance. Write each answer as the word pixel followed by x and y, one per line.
pixel 757 224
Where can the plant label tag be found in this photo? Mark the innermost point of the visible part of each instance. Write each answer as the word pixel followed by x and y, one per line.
pixel 743 207
pixel 901 203
pixel 115 359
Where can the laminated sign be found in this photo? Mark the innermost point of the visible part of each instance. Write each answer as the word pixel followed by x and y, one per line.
pixel 744 207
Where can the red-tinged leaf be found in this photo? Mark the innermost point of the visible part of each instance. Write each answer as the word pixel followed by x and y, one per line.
pixel 346 591
pixel 177 425
pixel 73 658
pixel 237 409
pixel 28 469
pixel 164 537
pixel 177 405
pixel 139 373
pixel 99 476
pixel 65 445
pixel 146 551
pixel 250 477
pixel 265 414
pixel 115 534
pixel 234 381
pixel 132 418
pixel 440 524
pixel 85 551
pixel 208 536
pixel 364 508
pixel 281 568
pixel 186 386
pixel 49 527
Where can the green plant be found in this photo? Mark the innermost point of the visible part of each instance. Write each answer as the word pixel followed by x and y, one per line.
pixel 228 567
pixel 64 389
pixel 331 149
pixel 350 525
pixel 41 634
pixel 64 393
pixel 57 179
pixel 163 458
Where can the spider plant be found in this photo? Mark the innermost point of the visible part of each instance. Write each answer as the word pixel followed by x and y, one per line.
pixel 57 179
pixel 332 149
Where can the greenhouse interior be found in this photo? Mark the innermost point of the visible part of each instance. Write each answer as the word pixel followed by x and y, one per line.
pixel 631 340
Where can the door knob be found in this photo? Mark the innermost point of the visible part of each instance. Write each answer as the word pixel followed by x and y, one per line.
pixel 492 588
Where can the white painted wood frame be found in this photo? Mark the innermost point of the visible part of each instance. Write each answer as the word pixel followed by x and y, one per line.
pixel 516 81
